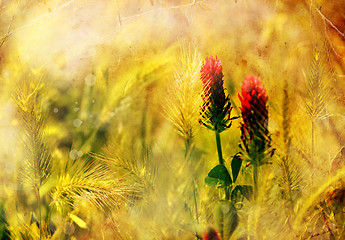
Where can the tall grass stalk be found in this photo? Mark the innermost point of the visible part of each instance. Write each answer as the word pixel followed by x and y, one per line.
pixel 290 178
pixel 37 166
pixel 184 99
pixel 317 89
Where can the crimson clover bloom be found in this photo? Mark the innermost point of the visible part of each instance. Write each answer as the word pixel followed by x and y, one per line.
pixel 216 108
pixel 335 203
pixel 336 197
pixel 211 234
pixel 254 114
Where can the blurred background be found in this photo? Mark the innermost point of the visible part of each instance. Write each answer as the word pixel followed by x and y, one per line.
pixel 90 90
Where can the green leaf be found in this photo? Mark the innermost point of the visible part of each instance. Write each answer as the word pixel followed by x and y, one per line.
pixel 211 181
pixel 242 191
pixel 236 166
pixel 225 218
pixel 219 176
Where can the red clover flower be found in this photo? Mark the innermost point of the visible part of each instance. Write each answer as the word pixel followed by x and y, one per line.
pixel 254 114
pixel 211 234
pixel 216 106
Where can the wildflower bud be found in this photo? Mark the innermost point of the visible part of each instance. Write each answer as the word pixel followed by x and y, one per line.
pixel 336 197
pixel 211 234
pixel 216 106
pixel 254 113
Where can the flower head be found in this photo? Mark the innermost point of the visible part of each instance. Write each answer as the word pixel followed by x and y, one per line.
pixel 216 106
pixel 211 234
pixel 335 201
pixel 336 197
pixel 254 113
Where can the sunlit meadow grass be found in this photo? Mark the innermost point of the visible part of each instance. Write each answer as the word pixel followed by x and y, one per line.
pixel 100 111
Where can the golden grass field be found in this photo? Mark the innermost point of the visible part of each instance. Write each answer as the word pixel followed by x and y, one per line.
pixel 99 118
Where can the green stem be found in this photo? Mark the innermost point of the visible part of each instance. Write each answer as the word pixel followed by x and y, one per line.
pixel 227 193
pixel 188 147
pixel 195 204
pixel 219 149
pixel 196 210
pixel 221 162
pixel 255 179
pixel 39 211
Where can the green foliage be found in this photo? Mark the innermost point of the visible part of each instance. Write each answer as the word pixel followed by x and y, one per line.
pixel 241 191
pixel 225 218
pixel 4 234
pixel 219 176
pixel 236 164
